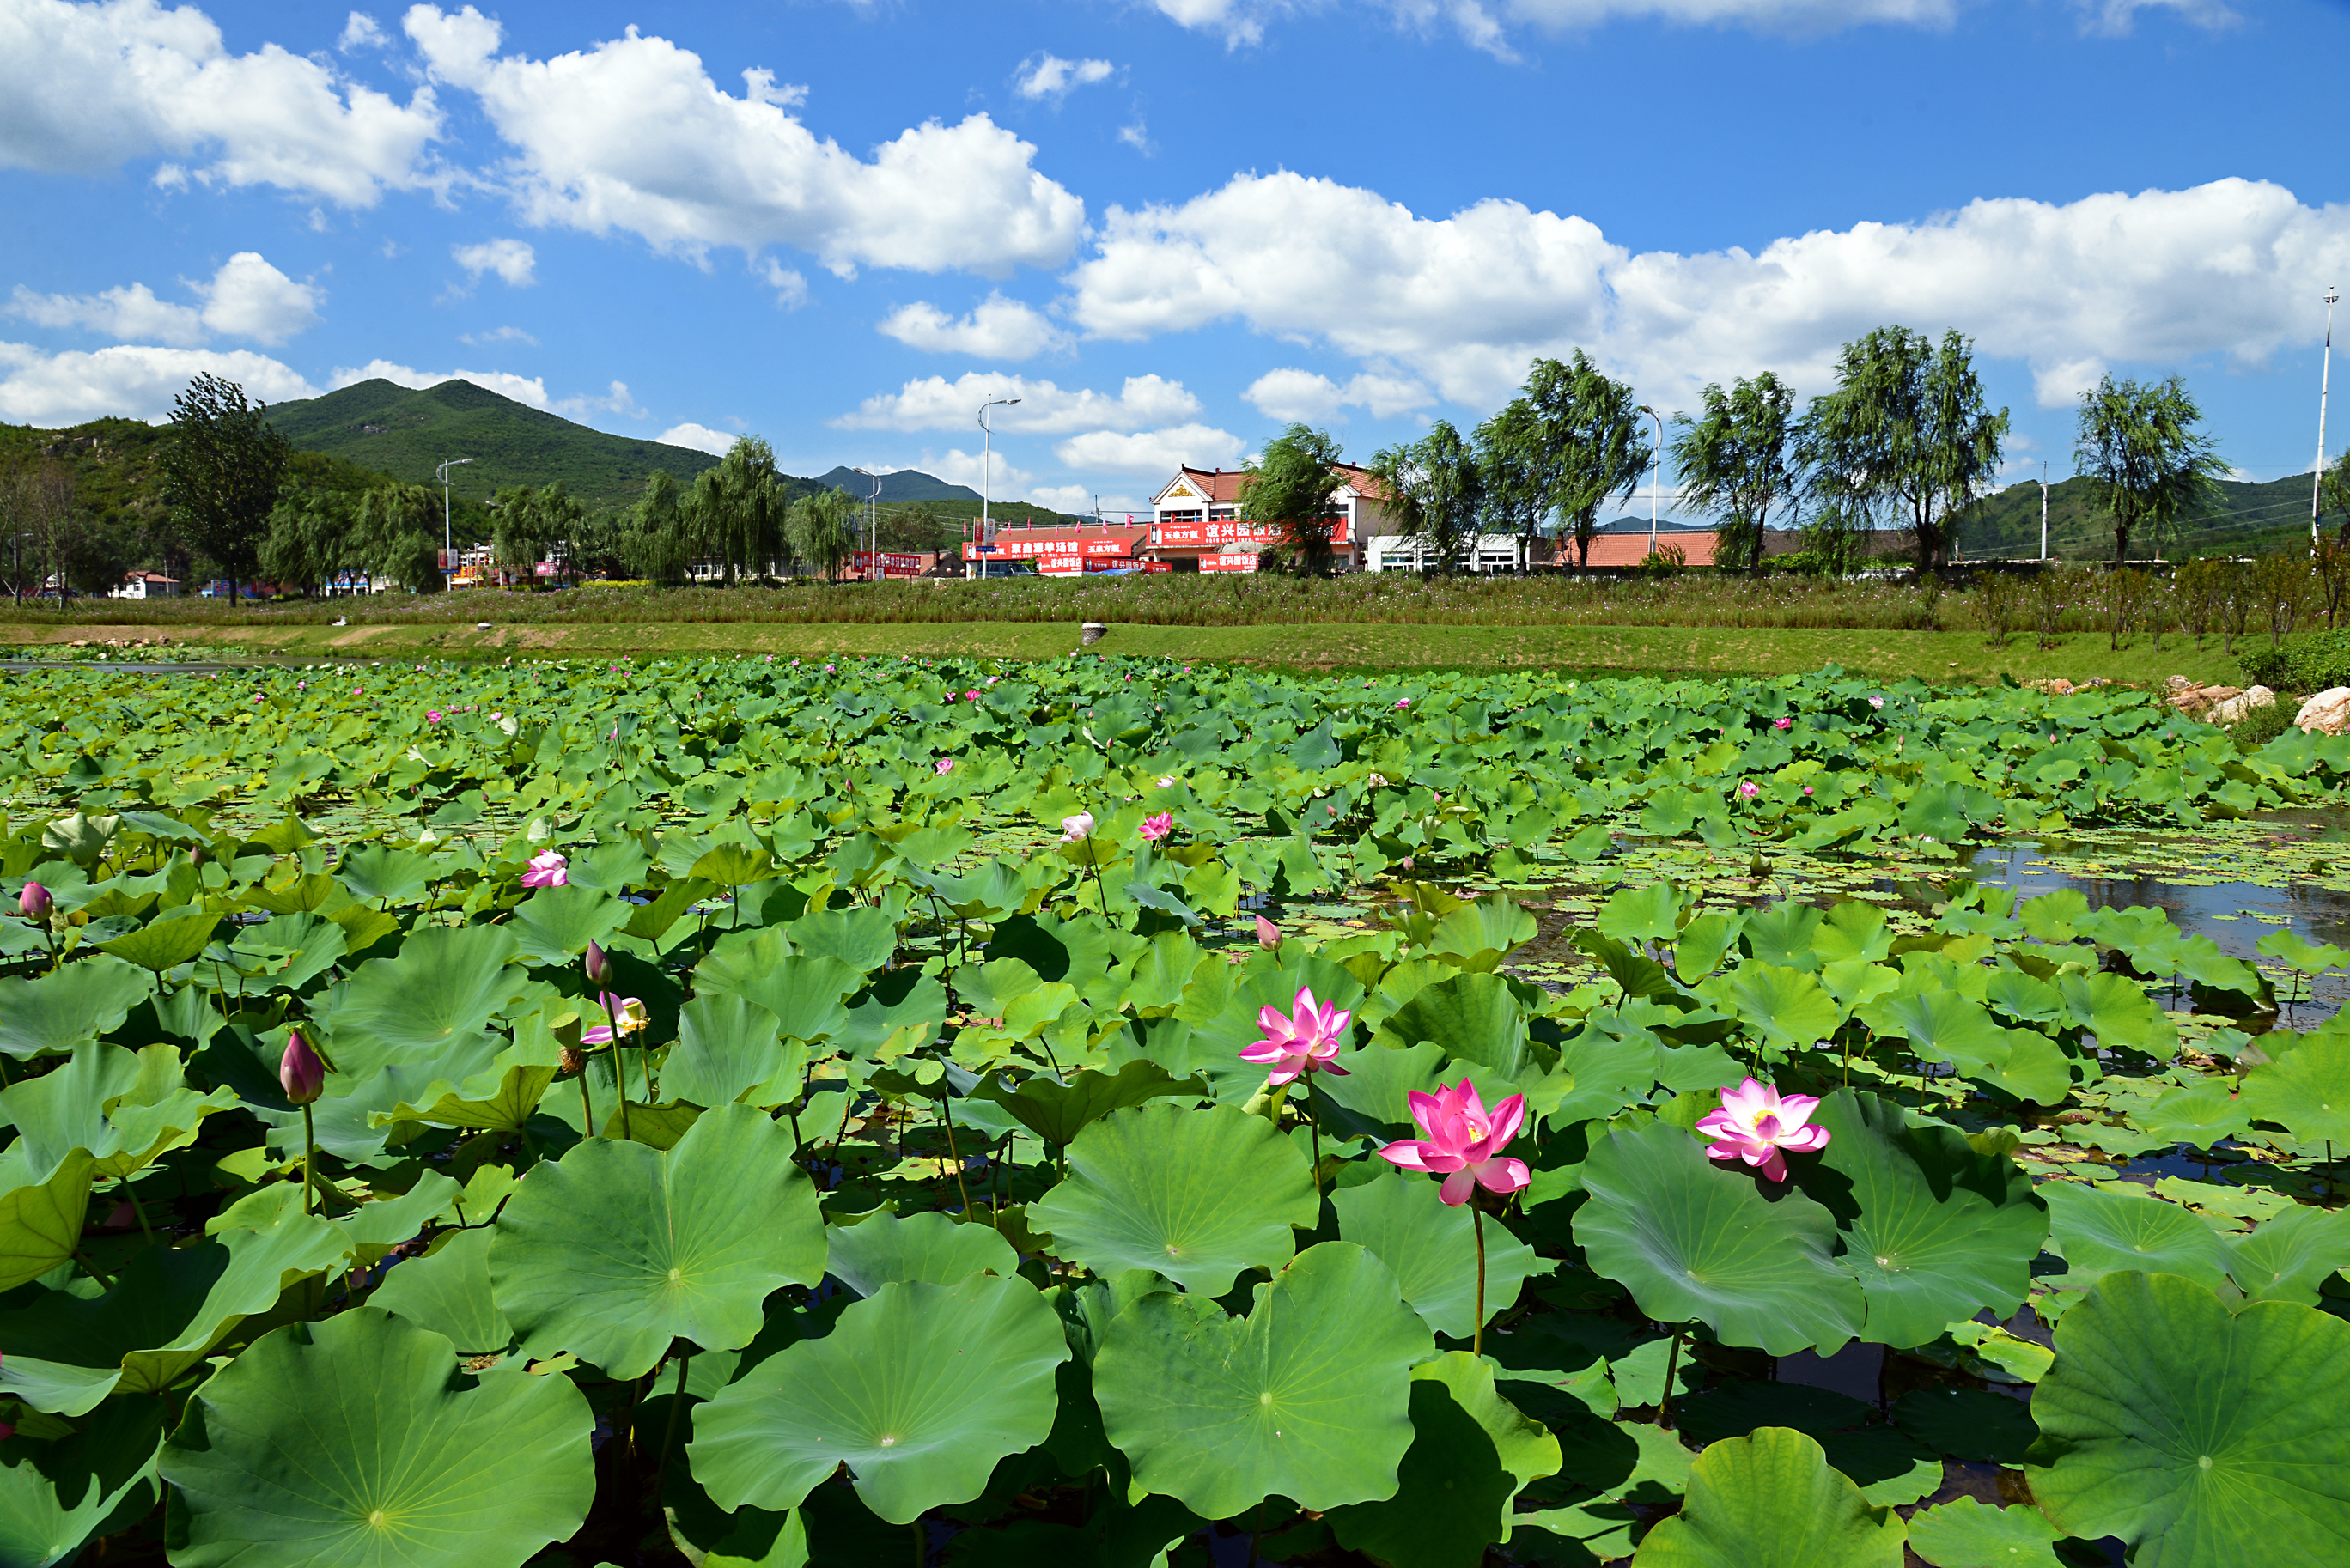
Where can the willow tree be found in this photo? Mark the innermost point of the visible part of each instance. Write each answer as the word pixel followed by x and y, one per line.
pixel 396 534
pixel 1435 491
pixel 1733 462
pixel 1569 440
pixel 1907 439
pixel 1292 489
pixel 823 529
pixel 2139 441
pixel 738 509
pixel 653 536
pixel 220 465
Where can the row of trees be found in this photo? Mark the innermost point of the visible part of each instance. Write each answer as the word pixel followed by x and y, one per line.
pixel 1906 439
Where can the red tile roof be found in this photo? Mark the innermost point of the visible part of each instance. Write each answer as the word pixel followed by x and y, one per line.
pixel 1223 487
pixel 1631 549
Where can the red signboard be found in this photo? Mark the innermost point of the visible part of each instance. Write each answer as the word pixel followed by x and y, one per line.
pixel 1228 563
pixel 1230 531
pixel 893 565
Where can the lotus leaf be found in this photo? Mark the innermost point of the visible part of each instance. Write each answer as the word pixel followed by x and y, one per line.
pixel 1771 1500
pixel 1964 1533
pixel 353 1443
pixel 448 1290
pixel 882 1249
pixel 555 925
pixel 617 1249
pixel 69 1006
pixel 727 1046
pixel 2307 1092
pixel 919 1390
pixel 1308 1398
pixel 100 1480
pixel 436 998
pixel 1056 1112
pixel 1431 1250
pixel 2100 1232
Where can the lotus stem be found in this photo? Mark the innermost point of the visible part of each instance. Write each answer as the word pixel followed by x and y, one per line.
pixel 586 1107
pixel 1477 1339
pixel 668 1436
pixel 1665 1400
pixel 139 1210
pixel 309 1164
pixel 946 1116
pixel 1314 1120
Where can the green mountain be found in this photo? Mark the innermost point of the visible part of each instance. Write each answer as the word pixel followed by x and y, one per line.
pixel 2243 520
pixel 406 433
pixel 908 484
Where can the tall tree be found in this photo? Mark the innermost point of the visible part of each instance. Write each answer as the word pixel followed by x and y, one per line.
pixel 656 545
pixel 37 508
pixel 2139 439
pixel 221 468
pixel 739 507
pixel 1733 462
pixel 823 529
pixel 1906 439
pixel 396 534
pixel 309 532
pixel 1292 489
pixel 1569 440
pixel 1435 490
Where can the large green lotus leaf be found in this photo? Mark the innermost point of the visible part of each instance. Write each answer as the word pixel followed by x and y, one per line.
pixel 804 993
pixel 1432 1249
pixel 1970 1425
pixel 1940 1025
pixel 1056 1112
pixel 1693 1239
pixel 354 1443
pixel 1934 1230
pixel 2119 1013
pixel 69 1108
pixel 1578 1535
pixel 1963 1533
pixel 2307 1092
pixel 1472 1452
pixel 2101 1233
pixel 1772 1500
pixel 1308 1398
pixel 1784 1009
pixel 77 1002
pixel 448 1290
pixel 169 940
pixel 1473 1017
pixel 733 866
pixel 506 1107
pixel 2201 1113
pixel 2286 1258
pixel 555 925
pixel 920 1389
pixel 168 1308
pixel 617 1249
pixel 1372 1099
pixel 726 1047
pixel 1195 1195
pixel 41 1224
pixel 433 999
pixel 1649 914
pixel 1854 931
pixel 862 938
pixel 380 871
pixel 1479 936
pixel 100 1480
pixel 881 1249
pixel 903 1005
pixel 2198 1437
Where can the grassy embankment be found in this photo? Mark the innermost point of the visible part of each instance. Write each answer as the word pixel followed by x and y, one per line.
pixel 1938 657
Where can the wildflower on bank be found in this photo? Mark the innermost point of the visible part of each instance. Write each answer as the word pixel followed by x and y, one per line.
pixel 1755 1123
pixel 1465 1142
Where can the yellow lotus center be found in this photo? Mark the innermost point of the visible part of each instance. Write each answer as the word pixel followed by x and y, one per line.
pixel 376 1518
pixel 1265 1397
pixel 890 1442
pixel 2203 1461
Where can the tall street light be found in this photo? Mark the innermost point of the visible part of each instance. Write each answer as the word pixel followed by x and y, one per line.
pixel 2317 485
pixel 1657 480
pixel 986 467
pixel 448 538
pixel 873 525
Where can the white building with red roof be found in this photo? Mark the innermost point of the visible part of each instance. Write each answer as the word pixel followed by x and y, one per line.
pixel 1196 524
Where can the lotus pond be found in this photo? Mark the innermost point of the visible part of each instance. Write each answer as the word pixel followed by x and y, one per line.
pixel 747 1113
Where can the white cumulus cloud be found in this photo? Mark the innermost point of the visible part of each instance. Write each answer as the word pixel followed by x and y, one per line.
pixel 936 403
pixel 1465 301
pixel 85 87
pixel 996 328
pixel 701 438
pixel 1157 453
pixel 1306 396
pixel 513 260
pixel 247 297
pixel 128 380
pixel 1049 77
pixel 632 134
pixel 531 389
pixel 1000 481
pixel 360 31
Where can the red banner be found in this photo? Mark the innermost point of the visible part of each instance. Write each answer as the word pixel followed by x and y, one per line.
pixel 1228 563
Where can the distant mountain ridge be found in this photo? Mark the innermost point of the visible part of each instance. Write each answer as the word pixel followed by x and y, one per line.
pixel 906 484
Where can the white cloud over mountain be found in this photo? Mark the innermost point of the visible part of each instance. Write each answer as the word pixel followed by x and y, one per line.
pixel 935 403
pixel 531 389
pixel 247 297
pixel 996 328
pixel 128 380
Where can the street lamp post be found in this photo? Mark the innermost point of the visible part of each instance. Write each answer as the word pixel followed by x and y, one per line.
pixel 448 533
pixel 1657 479
pixel 2324 375
pixel 2043 508
pixel 873 525
pixel 986 469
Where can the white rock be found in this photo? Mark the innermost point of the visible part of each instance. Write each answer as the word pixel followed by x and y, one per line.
pixel 2236 709
pixel 2327 714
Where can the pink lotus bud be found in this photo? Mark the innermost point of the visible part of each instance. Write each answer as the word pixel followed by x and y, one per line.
pixel 301 1073
pixel 599 965
pixel 35 903
pixel 1268 935
pixel 1783 723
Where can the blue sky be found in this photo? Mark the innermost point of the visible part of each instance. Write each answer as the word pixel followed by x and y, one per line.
pixel 1169 226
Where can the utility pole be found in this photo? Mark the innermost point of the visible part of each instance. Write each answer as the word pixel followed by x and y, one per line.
pixel 1657 478
pixel 2043 508
pixel 873 527
pixel 2324 375
pixel 448 535
pixel 987 468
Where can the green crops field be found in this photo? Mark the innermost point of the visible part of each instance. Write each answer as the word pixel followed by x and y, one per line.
pixel 786 1110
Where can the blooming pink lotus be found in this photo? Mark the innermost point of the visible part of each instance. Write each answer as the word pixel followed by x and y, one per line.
pixel 944 767
pixel 547 870
pixel 431 715
pixel 1463 1143
pixel 1748 789
pixel 1877 701
pixel 1076 827
pixel 628 1015
pixel 1155 828
pixel 1783 723
pixel 1304 1040
pixel 1403 702
pixel 1755 1123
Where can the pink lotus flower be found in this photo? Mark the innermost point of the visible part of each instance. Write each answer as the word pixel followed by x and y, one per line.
pixel 1304 1040
pixel 944 767
pixel 1877 701
pixel 1783 723
pixel 1748 789
pixel 1755 1123
pixel 299 1071
pixel 971 695
pixel 1155 828
pixel 628 1016
pixel 1463 1143
pixel 1807 789
pixel 431 715
pixel 1167 782
pixel 1268 935
pixel 1403 702
pixel 1076 827
pixel 547 870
